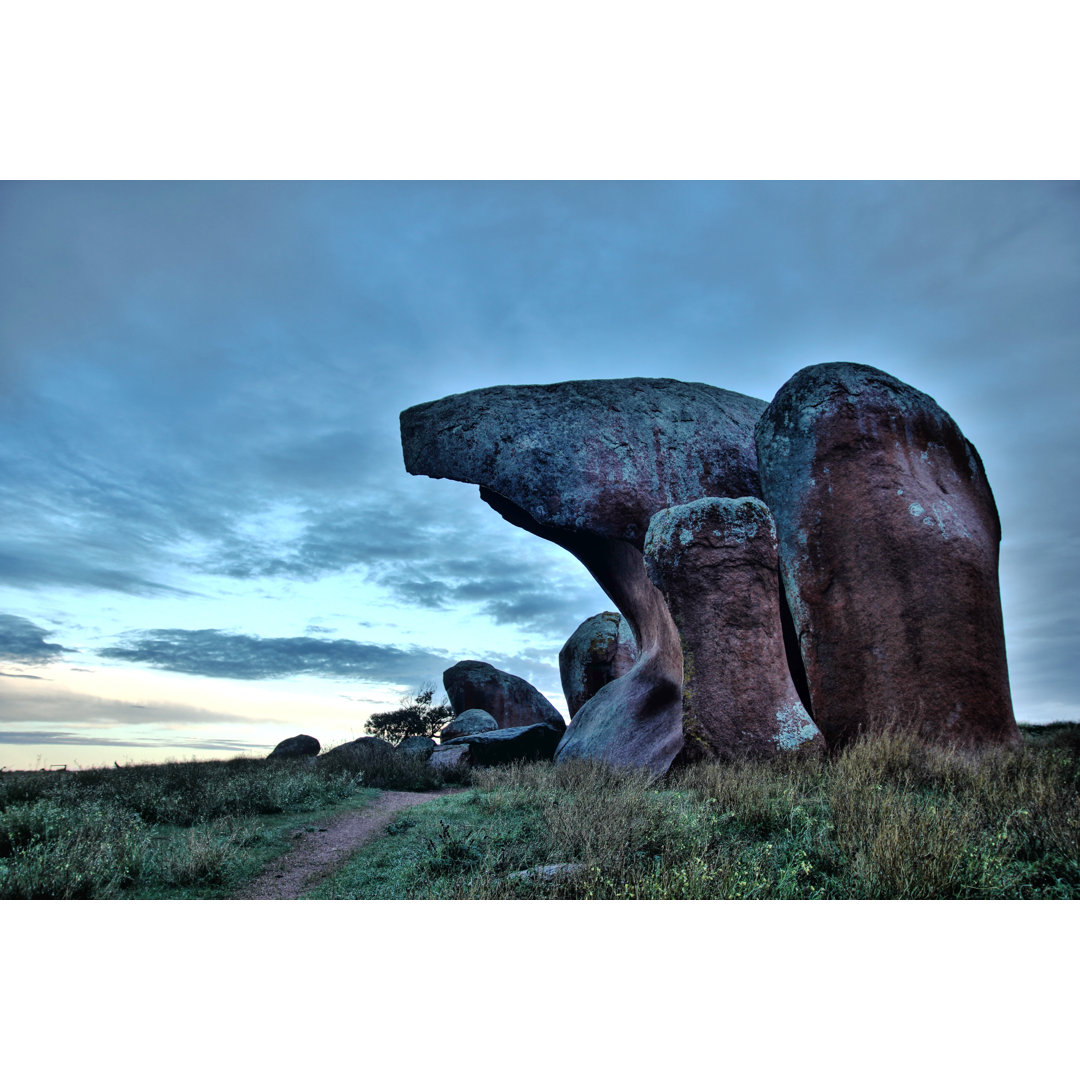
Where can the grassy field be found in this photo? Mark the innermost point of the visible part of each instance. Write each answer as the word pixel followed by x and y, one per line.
pixel 887 818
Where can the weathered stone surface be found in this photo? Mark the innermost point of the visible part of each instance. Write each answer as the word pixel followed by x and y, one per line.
pixel 586 465
pixel 352 754
pixel 445 758
pixel 715 561
pixel 470 722
pixel 513 702
pixel 416 744
pixel 299 746
pixel 601 649
pixel 564 871
pixel 889 539
pixel 533 743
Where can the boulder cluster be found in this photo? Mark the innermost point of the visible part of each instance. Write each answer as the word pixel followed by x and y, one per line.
pixel 786 574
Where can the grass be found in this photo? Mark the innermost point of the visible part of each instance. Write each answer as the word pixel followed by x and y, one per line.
pixel 887 818
pixel 194 829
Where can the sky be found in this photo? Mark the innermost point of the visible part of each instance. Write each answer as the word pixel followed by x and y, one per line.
pixel 211 542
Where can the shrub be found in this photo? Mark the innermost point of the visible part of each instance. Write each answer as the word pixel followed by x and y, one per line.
pixel 418 714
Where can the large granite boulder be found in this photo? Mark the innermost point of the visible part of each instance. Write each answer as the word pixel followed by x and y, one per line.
pixel 513 702
pixel 601 649
pixel 470 722
pixel 715 561
pixel 586 465
pixel 537 742
pixel 299 746
pixel 450 758
pixel 888 537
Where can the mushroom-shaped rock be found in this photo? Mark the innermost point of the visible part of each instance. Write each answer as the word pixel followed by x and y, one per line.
pixel 889 538
pixel 470 722
pixel 537 742
pixel 299 746
pixel 417 744
pixel 586 465
pixel 513 702
pixel 601 649
pixel 715 562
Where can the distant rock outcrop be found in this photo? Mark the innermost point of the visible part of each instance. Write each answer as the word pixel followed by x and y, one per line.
pixel 470 722
pixel 537 742
pixel 299 746
pixel 513 702
pixel 586 465
pixel 600 650
pixel 715 562
pixel 888 538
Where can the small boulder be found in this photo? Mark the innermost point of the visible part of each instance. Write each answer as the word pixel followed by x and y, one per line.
pixel 353 754
pixel 299 746
pixel 445 758
pixel 417 744
pixel 470 722
pixel 513 702
pixel 563 871
pixel 599 650
pixel 537 742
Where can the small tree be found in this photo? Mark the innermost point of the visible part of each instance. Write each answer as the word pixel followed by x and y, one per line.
pixel 419 714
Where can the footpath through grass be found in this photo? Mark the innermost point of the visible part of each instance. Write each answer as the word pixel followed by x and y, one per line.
pixel 886 819
pixel 175 831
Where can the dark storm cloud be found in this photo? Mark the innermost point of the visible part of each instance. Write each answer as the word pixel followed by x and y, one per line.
pixel 21 642
pixel 216 654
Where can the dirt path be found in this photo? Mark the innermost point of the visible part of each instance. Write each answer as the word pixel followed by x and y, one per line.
pixel 317 854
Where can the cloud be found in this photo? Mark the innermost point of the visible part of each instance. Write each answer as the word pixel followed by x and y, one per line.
pixel 74 738
pixel 217 654
pixel 21 642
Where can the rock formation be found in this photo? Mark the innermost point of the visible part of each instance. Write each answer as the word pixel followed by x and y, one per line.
pixel 715 562
pixel 533 743
pixel 601 649
pixel 586 465
pixel 513 702
pixel 470 722
pixel 299 746
pixel 419 745
pixel 888 538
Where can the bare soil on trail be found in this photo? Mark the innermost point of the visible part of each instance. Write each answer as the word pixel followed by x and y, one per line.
pixel 317 854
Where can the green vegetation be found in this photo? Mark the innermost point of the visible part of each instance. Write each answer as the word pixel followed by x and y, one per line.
pixel 418 714
pixel 885 819
pixel 177 830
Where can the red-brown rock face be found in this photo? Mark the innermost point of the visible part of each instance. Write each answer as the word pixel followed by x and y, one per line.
pixel 601 649
pixel 889 551
pixel 715 561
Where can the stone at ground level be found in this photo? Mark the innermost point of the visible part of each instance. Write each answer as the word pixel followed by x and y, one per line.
pixel 299 746
pixel 352 754
pixel 416 744
pixel 537 742
pixel 445 758
pixel 470 722
pixel 563 871
pixel 513 702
